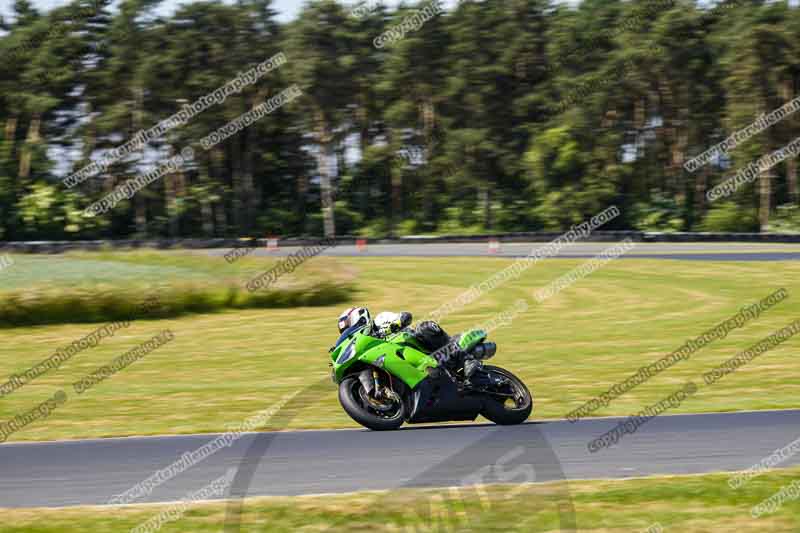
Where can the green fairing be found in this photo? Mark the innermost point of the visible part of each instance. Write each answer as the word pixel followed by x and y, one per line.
pixel 471 339
pixel 405 338
pixel 411 368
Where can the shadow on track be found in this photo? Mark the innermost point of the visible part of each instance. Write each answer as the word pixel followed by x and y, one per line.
pixel 515 463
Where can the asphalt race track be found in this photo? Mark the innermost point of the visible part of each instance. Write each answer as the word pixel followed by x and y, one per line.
pixel 664 250
pixel 313 462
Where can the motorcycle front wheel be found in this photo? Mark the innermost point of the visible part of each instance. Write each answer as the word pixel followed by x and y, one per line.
pixel 366 410
pixel 509 403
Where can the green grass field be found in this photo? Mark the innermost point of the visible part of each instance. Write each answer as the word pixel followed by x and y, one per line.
pixel 689 504
pixel 225 366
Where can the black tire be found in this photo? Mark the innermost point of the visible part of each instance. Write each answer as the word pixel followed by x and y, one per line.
pixel 350 397
pixel 498 412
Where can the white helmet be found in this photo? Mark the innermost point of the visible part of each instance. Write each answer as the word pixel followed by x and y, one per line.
pixel 353 316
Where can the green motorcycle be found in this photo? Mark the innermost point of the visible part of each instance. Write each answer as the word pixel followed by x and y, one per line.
pixel 384 382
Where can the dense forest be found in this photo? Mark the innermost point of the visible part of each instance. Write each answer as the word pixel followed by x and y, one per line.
pixel 492 116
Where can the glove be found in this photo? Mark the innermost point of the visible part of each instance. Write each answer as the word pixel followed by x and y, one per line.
pixel 405 319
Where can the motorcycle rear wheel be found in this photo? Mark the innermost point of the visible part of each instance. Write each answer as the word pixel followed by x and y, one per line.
pixel 352 397
pixel 498 409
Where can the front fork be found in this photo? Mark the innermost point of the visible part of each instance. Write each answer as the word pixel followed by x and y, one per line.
pixel 370 380
pixel 365 377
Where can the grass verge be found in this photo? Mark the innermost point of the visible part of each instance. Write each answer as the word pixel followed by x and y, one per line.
pixel 83 287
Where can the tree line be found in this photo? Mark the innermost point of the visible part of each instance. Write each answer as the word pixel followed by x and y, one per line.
pixel 509 115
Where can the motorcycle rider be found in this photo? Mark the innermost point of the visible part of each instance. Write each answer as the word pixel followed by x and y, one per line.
pixel 428 333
